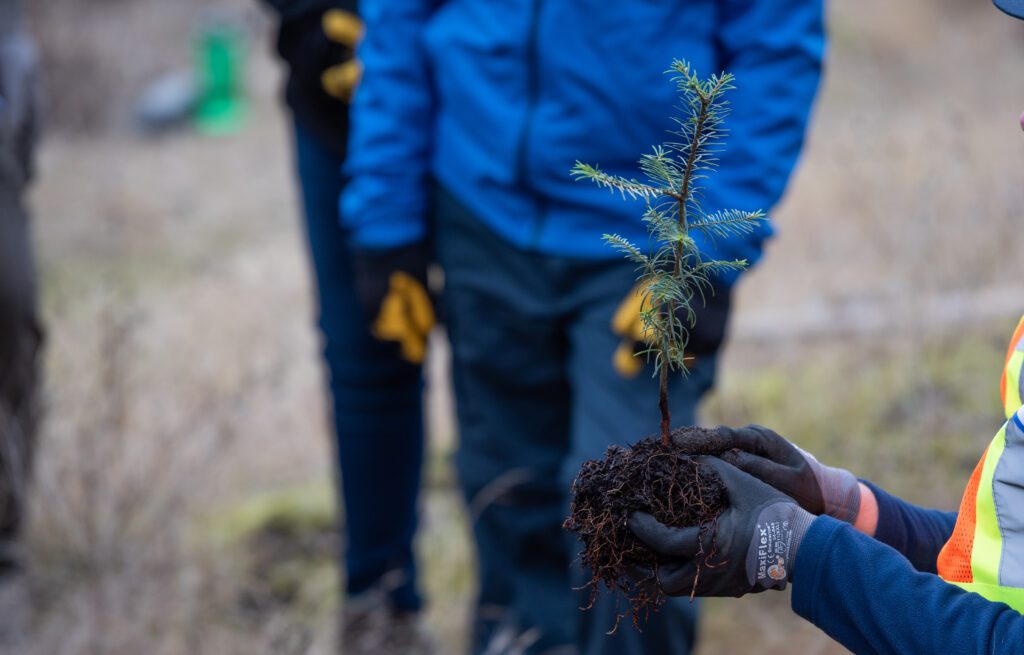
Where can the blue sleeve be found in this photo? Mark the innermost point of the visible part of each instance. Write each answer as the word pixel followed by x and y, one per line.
pixel 775 49
pixel 869 598
pixel 385 202
pixel 919 534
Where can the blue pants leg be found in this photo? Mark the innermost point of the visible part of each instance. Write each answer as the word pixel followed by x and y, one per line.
pixel 512 399
pixel 377 397
pixel 607 409
pixel 21 339
pixel 536 395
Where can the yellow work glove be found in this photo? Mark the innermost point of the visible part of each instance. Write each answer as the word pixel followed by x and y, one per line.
pixel 392 289
pixel 345 29
pixel 705 336
pixel 627 324
pixel 406 316
pixel 320 50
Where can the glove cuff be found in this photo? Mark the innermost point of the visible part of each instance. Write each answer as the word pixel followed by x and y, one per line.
pixel 412 258
pixel 778 533
pixel 840 492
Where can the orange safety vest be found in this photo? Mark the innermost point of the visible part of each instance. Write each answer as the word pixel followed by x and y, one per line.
pixel 985 554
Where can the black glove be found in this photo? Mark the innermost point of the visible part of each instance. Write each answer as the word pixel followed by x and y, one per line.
pixel 392 288
pixel 712 318
pixel 711 313
pixel 750 547
pixel 319 47
pixel 772 459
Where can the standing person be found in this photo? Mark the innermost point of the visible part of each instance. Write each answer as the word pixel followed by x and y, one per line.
pixel 876 573
pixel 473 113
pixel 20 332
pixel 375 383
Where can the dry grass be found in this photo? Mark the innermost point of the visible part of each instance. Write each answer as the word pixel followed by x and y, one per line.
pixel 176 394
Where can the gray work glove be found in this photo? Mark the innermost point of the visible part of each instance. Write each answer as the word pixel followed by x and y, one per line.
pixel 772 459
pixel 19 105
pixel 749 548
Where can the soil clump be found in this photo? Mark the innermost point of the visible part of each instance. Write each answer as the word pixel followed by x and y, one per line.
pixel 664 481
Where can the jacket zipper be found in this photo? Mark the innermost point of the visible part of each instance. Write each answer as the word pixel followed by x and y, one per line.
pixel 532 91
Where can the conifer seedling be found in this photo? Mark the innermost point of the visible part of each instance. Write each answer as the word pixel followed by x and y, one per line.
pixel 660 476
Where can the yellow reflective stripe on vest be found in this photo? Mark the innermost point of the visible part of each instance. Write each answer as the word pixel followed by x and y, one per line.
pixel 1013 380
pixel 997 546
pixel 1012 596
pixel 988 544
pixel 997 556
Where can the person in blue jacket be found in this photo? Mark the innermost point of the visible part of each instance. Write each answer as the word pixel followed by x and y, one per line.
pixel 876 573
pixel 376 391
pixel 467 121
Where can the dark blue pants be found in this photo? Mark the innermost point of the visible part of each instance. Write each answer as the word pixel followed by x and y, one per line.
pixel 20 342
pixel 377 397
pixel 537 395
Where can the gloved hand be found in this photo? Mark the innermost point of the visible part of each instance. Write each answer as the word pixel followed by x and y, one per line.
pixel 705 337
pixel 323 72
pixel 772 459
pixel 340 79
pixel 750 547
pixel 320 51
pixel 392 287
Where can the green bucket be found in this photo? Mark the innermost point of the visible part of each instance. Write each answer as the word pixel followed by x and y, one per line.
pixel 220 58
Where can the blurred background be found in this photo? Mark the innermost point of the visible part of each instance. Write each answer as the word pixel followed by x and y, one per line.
pixel 182 500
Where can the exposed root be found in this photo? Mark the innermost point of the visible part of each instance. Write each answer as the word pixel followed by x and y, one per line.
pixel 664 481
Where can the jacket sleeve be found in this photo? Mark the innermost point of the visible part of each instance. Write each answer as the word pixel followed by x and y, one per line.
pixel 918 534
pixel 869 598
pixel 775 49
pixel 385 202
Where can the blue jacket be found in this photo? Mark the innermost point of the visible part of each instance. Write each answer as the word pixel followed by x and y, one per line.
pixel 881 595
pixel 496 99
